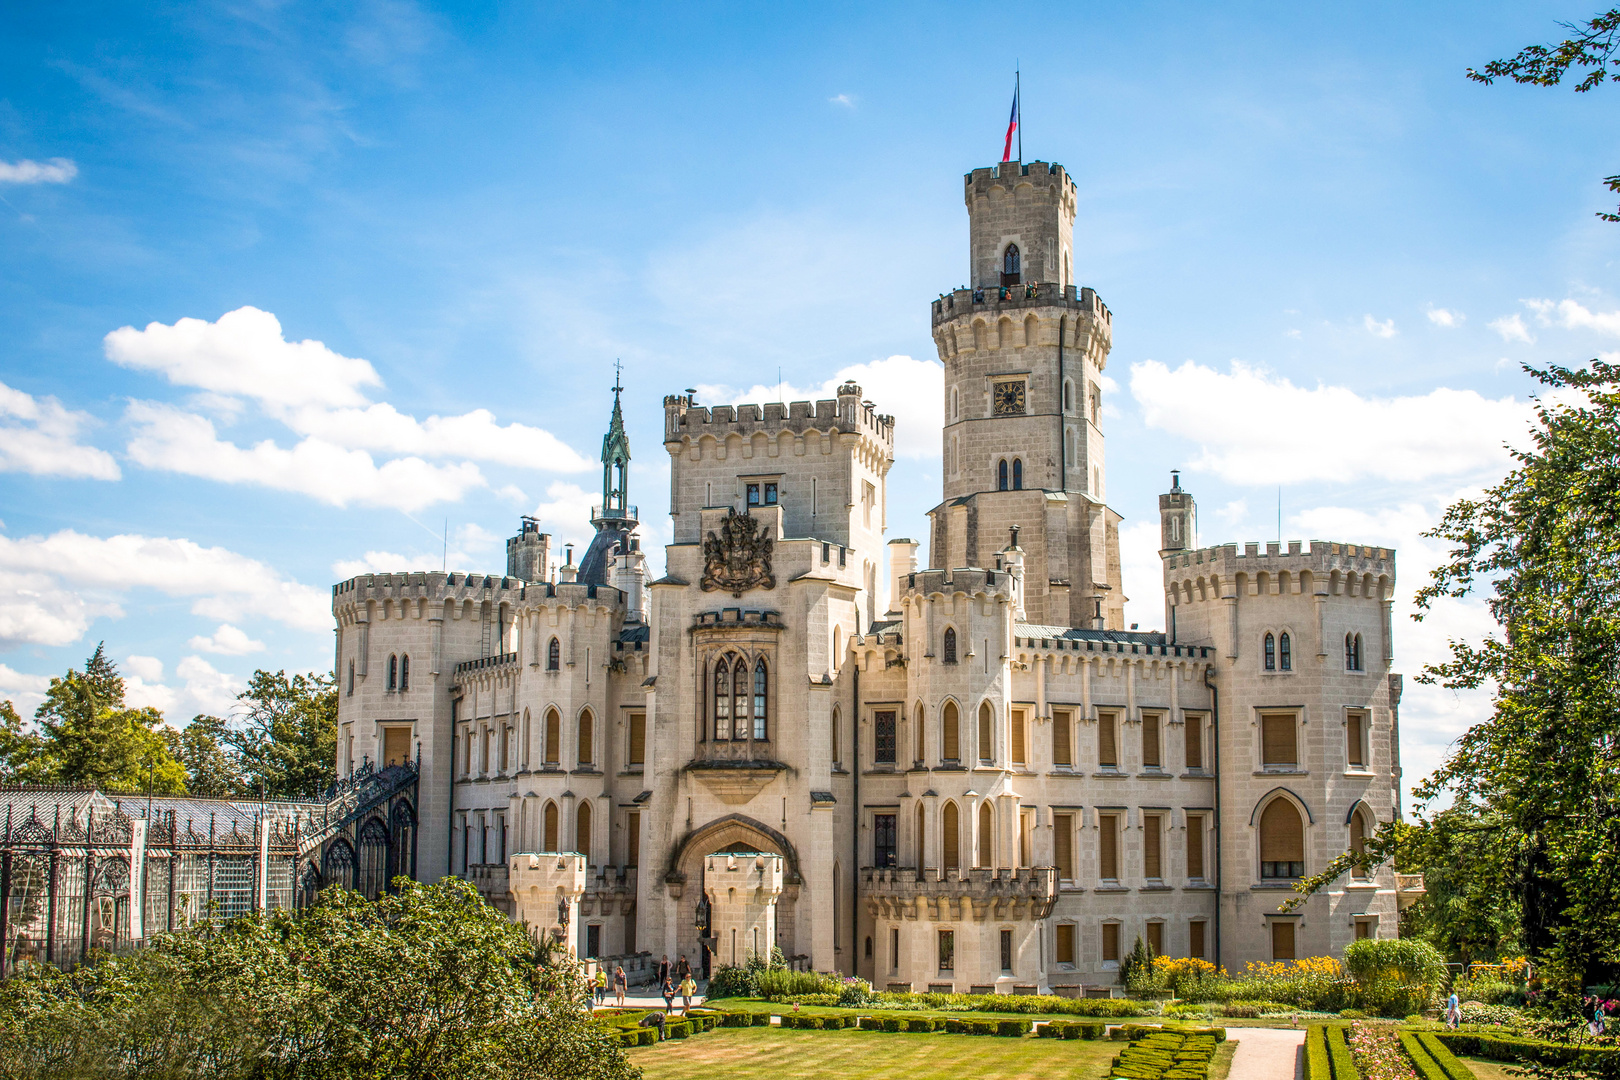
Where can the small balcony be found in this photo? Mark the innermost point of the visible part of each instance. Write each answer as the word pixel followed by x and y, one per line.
pixel 978 893
pixel 615 513
pixel 1408 889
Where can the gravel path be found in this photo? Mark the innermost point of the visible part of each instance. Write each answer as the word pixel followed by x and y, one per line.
pixel 1267 1053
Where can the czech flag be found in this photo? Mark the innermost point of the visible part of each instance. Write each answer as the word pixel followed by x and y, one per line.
pixel 1012 128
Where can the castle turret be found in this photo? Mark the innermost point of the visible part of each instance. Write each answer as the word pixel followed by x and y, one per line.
pixel 615 519
pixel 1178 518
pixel 528 553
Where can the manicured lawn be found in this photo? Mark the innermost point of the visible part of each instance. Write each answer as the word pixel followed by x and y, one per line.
pixel 743 1053
pixel 1486 1069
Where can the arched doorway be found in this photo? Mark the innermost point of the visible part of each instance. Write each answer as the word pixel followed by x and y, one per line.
pixel 734 833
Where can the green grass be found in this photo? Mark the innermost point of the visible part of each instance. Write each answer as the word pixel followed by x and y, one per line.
pixel 743 1053
pixel 1486 1069
pixel 755 1005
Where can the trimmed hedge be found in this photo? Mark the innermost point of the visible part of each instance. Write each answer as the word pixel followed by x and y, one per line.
pixel 1166 1055
pixel 1344 1063
pixel 1427 1061
pixel 1071 1029
pixel 1514 1049
pixel 1026 1004
pixel 1013 1029
pixel 1317 1063
pixel 1454 1069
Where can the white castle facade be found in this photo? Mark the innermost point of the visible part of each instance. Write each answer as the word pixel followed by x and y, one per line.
pixel 964 773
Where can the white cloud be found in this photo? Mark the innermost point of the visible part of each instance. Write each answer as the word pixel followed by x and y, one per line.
pixel 149 668
pixel 24 691
pixel 912 391
pixel 1442 433
pixel 203 689
pixel 207 690
pixel 1385 329
pixel 53 587
pixel 54 171
pixel 226 641
pixel 39 436
pixel 1573 316
pixel 244 353
pixel 1446 318
pixel 472 548
pixel 842 99
pixel 1512 328
pixel 473 435
pixel 173 440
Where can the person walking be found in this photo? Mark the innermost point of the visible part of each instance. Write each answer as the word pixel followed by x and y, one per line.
pixel 668 990
pixel 601 985
pixel 620 985
pixel 682 969
pixel 1453 1011
pixel 688 988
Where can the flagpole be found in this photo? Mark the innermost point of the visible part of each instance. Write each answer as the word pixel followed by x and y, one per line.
pixel 1018 96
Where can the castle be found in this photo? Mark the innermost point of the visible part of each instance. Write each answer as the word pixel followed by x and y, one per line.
pixel 967 775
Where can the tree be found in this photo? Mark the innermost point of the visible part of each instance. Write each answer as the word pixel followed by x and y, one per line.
pixel 285 741
pixel 203 747
pixel 22 753
pixel 1592 47
pixel 91 737
pixel 1535 829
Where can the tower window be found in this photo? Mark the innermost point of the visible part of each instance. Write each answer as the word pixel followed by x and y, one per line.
pixel 753 494
pixel 1018 474
pixel 351 677
pixel 950 645
pixel 1001 475
pixel 760 684
pixel 393 673
pixel 404 673
pixel 1285 650
pixel 1352 652
pixel 554 655
pixel 770 494
pixel 1010 266
pixel 1271 653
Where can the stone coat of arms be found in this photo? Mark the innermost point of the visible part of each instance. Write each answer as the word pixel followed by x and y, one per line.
pixel 737 557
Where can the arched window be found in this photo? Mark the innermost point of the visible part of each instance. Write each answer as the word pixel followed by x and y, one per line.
pixel 950 645
pixel 837 755
pixel 338 866
pixel 950 732
pixel 838 647
pixel 1358 841
pixel 1285 653
pixel 951 852
pixel 373 858
pixel 582 830
pixel 1001 475
pixel 761 682
pixel 554 655
pixel 587 739
pixel 1018 474
pixel 351 677
pixel 987 719
pixel 404 673
pixel 553 741
pixel 1271 653
pixel 402 848
pixel 722 698
pixel 986 837
pixel 1010 267
pixel 393 672
pixel 956 403
pixel 549 827
pixel 1067 389
pixel 1282 842
pixel 1352 652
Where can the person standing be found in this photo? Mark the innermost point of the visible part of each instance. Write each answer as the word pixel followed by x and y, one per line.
pixel 688 988
pixel 682 969
pixel 668 990
pixel 663 970
pixel 620 985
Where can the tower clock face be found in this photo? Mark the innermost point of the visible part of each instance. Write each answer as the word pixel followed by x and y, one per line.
pixel 1009 398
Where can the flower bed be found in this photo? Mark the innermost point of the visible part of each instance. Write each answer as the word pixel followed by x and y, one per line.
pixel 1377 1051
pixel 1166 1055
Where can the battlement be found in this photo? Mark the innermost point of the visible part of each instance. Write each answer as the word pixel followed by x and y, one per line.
pixel 1354 569
pixel 744 870
pixel 992 300
pixel 433 586
pixel 847 413
pixel 1005 892
pixel 999 179
pixel 970 580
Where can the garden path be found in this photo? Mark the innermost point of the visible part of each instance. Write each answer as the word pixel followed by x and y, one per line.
pixel 1267 1053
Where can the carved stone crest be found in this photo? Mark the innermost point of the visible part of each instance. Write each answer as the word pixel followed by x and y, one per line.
pixel 737 557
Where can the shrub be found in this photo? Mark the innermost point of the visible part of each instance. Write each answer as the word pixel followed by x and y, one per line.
pixel 982 1027
pixel 921 1023
pixel 728 981
pixel 1344 1064
pixel 776 984
pixel 1432 1060
pixel 1352 1014
pixel 824 1000
pixel 1474 1012
pixel 680 1029
pixel 736 1019
pixel 1052 1029
pixel 892 1023
pixel 1027 1004
pixel 1013 1029
pixel 1317 1065
pixel 854 992
pixel 1395 976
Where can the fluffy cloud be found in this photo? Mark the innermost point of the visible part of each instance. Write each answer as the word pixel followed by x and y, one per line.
pixel 53 587
pixel 39 436
pixel 1442 433
pixel 24 691
pixel 1385 329
pixel 1573 316
pixel 1512 328
pixel 202 689
pixel 226 641
pixel 174 440
pixel 912 391
pixel 1443 317
pixel 473 435
pixel 54 171
pixel 472 548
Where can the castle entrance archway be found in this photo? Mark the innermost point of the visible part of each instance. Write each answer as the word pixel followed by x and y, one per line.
pixel 733 833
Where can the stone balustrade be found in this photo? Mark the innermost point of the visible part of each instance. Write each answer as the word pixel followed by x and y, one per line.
pixel 978 893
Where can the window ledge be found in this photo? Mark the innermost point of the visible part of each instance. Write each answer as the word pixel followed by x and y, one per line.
pixel 1282 772
pixel 1369 886
pixel 1268 886
pixel 1111 774
pixel 585 772
pixel 1112 888
pixel 632 770
pixel 1197 774
pixel 1360 771
pixel 1199 886
pixel 1157 888
pixel 1154 774
pixel 1071 887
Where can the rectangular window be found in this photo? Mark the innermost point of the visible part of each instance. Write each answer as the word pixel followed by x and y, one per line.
pixel 1364 929
pixel 1278 745
pixel 883 727
pixel 1152 863
pixel 1155 937
pixel 593 939
pixel 638 739
pixel 1107 746
pixel 753 495
pixel 1108 847
pixel 1195 742
pixel 1062 748
pixel 1018 736
pixel 1065 943
pixel 1355 727
pixel 1150 741
pixel 1282 939
pixel 1110 943
pixel 947 950
pixel 1063 845
pixel 894 948
pixel 1006 950
pixel 1195 939
pixel 632 839
pixel 1195 847
pixel 770 494
pixel 883 839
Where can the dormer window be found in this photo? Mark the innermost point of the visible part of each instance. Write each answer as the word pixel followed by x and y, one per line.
pixel 1010 266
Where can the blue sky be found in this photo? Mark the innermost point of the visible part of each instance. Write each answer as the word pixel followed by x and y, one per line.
pixel 1326 253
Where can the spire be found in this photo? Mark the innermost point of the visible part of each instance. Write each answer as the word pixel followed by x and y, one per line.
pixel 615 459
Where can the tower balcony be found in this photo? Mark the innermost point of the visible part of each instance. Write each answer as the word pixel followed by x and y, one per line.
pixel 615 513
pixel 987 298
pixel 978 892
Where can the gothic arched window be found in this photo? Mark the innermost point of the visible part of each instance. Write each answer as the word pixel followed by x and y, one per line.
pixel 548 828
pixel 554 655
pixel 760 684
pixel 338 866
pixel 722 698
pixel 404 673
pixel 553 755
pixel 1010 265
pixel 950 645
pixel 987 720
pixel 586 750
pixel 1271 653
pixel 1352 652
pixel 1018 474
pixel 393 673
pixel 1282 841
pixel 1001 475
pixel 373 858
pixel 986 852
pixel 1285 650
pixel 401 848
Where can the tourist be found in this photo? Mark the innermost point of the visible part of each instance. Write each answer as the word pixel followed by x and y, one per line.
pixel 601 985
pixel 663 969
pixel 668 990
pixel 620 985
pixel 682 968
pixel 688 988
pixel 1453 1011
pixel 654 1019
pixel 1599 1022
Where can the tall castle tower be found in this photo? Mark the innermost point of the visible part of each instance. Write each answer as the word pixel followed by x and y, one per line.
pixel 1024 351
pixel 615 519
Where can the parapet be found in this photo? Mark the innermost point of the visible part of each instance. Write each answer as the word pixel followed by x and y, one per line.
pixel 969 580
pixel 433 586
pixel 981 183
pixel 992 299
pixel 1360 568
pixel 685 421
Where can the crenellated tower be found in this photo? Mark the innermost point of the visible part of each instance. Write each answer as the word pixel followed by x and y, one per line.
pixel 1024 350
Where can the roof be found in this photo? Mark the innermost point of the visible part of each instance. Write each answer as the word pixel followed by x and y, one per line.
pixel 1075 633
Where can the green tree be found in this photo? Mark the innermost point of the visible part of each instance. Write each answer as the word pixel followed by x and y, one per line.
pixel 285 740
pixel 203 747
pixel 91 737
pixel 22 752
pixel 1591 47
